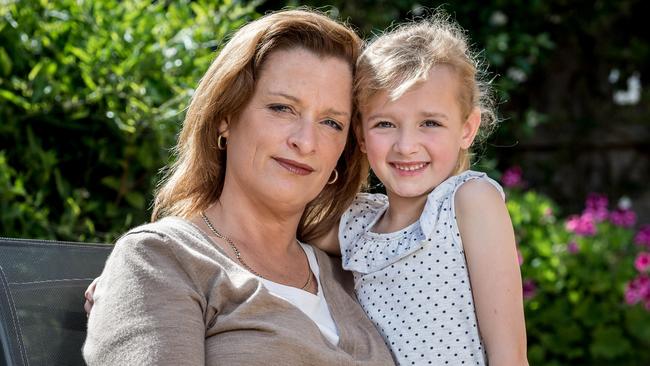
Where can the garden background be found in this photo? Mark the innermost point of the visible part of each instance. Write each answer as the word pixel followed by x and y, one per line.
pixel 92 94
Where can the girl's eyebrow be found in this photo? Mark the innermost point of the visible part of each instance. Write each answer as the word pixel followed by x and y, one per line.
pixel 425 114
pixel 296 100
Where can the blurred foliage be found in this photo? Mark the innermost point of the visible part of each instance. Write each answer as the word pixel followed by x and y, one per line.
pixel 558 68
pixel 575 273
pixel 92 94
pixel 518 39
pixel 91 97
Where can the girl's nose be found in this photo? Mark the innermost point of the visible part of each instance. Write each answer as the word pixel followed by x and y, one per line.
pixel 406 143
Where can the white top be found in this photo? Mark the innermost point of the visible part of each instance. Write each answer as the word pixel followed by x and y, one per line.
pixel 314 306
pixel 413 283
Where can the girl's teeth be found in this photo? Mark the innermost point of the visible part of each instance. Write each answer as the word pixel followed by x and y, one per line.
pixel 410 167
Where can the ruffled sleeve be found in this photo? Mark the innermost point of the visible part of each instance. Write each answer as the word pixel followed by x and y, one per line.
pixel 364 251
pixel 362 215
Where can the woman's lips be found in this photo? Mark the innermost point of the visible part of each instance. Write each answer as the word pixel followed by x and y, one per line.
pixel 294 166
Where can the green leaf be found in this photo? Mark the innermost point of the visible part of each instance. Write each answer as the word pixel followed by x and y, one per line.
pixel 111 182
pixel 609 343
pixel 15 99
pixel 5 62
pixel 135 199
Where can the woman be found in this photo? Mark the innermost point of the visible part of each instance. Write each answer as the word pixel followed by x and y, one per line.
pixel 265 159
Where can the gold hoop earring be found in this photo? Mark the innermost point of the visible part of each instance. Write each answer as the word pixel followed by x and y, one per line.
pixel 221 142
pixel 336 177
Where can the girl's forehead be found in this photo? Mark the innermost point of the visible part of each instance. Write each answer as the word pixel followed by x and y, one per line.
pixel 436 96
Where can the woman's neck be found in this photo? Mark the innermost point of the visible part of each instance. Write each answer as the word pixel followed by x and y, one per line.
pixel 401 212
pixel 253 223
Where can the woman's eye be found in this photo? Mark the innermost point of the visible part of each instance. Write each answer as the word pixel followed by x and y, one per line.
pixel 280 108
pixel 430 123
pixel 332 123
pixel 384 124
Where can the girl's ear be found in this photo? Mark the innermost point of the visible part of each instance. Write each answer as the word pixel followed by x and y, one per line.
pixel 358 133
pixel 470 128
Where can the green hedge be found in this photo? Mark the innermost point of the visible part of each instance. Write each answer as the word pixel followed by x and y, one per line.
pixel 91 96
pixel 577 273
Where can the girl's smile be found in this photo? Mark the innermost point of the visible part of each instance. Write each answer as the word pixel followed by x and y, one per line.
pixel 413 142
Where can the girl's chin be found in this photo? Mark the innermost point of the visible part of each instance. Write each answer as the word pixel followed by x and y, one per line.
pixel 409 193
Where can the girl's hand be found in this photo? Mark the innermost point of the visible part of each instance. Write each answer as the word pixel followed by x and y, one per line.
pixel 88 295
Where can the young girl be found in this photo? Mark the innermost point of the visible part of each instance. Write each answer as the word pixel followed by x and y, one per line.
pixel 434 261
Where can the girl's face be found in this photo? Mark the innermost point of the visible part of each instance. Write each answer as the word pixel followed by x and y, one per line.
pixel 413 142
pixel 284 145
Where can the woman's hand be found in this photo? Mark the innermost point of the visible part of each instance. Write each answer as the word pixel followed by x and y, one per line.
pixel 88 295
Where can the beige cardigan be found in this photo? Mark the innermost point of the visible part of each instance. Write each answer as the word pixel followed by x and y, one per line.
pixel 169 296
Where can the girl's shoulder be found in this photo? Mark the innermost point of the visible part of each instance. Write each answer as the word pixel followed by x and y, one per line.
pixel 448 189
pixel 365 207
pixel 362 214
pixel 439 213
pixel 370 200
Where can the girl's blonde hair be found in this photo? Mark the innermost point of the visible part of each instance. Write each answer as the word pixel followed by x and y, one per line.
pixel 196 179
pixel 398 60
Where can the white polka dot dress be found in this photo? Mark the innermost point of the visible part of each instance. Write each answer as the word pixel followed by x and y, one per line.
pixel 414 284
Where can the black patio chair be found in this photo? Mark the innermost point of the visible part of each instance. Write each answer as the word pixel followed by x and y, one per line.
pixel 41 299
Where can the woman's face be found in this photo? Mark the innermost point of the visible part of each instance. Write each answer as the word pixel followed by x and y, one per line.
pixel 284 145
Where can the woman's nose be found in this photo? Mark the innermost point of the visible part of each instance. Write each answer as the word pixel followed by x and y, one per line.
pixel 303 138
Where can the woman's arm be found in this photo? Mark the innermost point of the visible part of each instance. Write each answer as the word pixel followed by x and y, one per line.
pixel 146 309
pixel 491 254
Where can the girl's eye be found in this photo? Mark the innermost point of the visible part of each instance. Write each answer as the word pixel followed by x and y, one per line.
pixel 430 123
pixel 384 124
pixel 332 123
pixel 280 108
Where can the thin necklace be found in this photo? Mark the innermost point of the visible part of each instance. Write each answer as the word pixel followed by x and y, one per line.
pixel 238 254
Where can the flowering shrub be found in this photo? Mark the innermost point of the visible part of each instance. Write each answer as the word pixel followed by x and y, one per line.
pixel 586 283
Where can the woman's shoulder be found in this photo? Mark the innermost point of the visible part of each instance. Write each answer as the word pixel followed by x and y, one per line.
pixel 173 238
pixel 166 231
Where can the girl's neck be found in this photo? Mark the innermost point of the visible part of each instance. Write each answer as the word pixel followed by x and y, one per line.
pixel 401 212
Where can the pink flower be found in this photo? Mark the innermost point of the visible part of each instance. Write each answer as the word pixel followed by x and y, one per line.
pixel 548 212
pixel 631 295
pixel 643 236
pixel 638 290
pixel 520 257
pixel 512 177
pixel 572 247
pixel 642 261
pixel 623 218
pixel 582 225
pixel 596 206
pixel 529 289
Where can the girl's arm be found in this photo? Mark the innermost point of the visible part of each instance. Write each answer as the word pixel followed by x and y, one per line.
pixel 329 242
pixel 491 254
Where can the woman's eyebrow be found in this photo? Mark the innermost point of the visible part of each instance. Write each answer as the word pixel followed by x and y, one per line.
pixel 285 95
pixel 330 111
